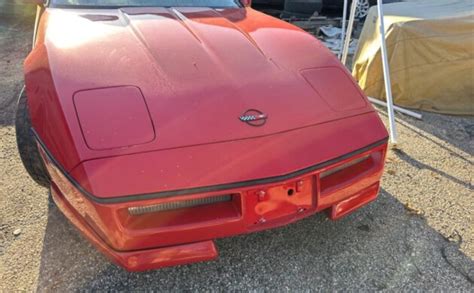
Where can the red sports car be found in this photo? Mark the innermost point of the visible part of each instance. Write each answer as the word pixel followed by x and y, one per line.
pixel 161 125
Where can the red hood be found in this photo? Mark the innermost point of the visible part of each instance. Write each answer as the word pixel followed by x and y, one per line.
pixel 199 69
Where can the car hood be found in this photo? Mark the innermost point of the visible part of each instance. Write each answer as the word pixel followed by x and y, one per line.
pixel 198 69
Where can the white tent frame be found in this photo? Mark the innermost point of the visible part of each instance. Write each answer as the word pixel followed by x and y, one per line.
pixel 386 68
pixel 343 31
pixel 348 35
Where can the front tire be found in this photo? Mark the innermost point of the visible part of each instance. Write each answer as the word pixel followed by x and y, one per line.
pixel 27 146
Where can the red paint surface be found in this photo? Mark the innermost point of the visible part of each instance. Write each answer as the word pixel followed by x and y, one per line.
pixel 104 113
pixel 206 68
pixel 227 162
pixel 197 70
pixel 340 96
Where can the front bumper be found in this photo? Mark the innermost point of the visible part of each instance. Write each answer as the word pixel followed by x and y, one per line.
pixel 154 239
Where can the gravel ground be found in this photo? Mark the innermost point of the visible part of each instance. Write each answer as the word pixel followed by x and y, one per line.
pixel 418 235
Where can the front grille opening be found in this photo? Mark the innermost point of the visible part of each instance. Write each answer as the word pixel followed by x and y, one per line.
pixel 175 205
pixel 349 173
pixel 181 213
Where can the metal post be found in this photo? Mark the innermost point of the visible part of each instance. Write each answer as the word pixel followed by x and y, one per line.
pixel 386 75
pixel 37 19
pixel 348 36
pixel 396 108
pixel 343 30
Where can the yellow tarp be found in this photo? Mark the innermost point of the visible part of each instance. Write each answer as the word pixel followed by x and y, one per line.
pixel 431 54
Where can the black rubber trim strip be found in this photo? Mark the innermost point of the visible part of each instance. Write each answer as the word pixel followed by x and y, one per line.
pixel 212 188
pixel 109 7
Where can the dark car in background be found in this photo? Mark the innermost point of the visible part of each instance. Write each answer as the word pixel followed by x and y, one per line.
pixel 306 8
pixel 362 7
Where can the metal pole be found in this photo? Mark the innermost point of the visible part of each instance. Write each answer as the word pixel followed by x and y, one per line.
pixel 37 19
pixel 343 30
pixel 396 108
pixel 386 75
pixel 348 36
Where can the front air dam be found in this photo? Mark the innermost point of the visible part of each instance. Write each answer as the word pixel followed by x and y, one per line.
pixel 139 260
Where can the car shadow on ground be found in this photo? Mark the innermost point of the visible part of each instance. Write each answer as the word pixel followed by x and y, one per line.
pixel 381 246
pixel 422 166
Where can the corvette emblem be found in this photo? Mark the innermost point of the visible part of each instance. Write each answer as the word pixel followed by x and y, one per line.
pixel 254 117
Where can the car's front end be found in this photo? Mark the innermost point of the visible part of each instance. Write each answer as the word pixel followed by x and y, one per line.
pixel 151 230
pixel 164 128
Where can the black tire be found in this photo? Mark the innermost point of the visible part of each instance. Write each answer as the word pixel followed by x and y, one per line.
pixel 27 147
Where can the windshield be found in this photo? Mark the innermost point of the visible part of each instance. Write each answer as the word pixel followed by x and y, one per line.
pixel 158 3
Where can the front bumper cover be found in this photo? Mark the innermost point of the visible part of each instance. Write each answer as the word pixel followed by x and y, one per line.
pixel 182 236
